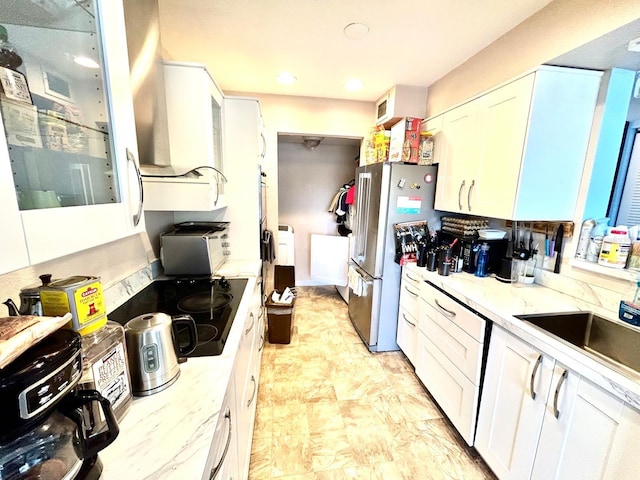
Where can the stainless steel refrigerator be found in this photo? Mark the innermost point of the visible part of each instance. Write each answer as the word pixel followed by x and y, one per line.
pixel 386 193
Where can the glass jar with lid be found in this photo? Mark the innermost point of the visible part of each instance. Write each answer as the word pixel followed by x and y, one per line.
pixel 105 366
pixel 425 151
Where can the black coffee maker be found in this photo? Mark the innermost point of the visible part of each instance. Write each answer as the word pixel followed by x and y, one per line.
pixel 47 431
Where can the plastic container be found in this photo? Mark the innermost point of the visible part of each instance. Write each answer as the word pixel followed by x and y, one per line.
pixel 105 367
pixel 595 243
pixel 425 150
pixel 483 260
pixel 615 248
pixel 585 238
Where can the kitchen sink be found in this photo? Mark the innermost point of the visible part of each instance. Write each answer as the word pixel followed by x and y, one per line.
pixel 614 343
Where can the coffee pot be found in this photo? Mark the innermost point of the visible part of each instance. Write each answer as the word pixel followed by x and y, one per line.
pixel 29 299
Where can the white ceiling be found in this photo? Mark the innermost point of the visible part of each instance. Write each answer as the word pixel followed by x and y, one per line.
pixel 246 43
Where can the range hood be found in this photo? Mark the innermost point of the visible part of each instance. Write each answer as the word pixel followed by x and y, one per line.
pixel 170 184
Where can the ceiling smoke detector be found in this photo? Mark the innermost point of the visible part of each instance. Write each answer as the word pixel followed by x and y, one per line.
pixel 311 142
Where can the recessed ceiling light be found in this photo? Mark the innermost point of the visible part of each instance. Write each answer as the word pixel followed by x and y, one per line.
pixel 85 61
pixel 353 84
pixel 286 78
pixel 356 31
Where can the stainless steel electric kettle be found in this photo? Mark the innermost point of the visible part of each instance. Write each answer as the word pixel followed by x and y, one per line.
pixel 153 351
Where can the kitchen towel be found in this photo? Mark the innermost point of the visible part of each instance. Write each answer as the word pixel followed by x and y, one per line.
pixel 267 250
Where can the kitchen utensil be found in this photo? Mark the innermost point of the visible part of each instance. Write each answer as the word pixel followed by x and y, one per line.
pixel 432 258
pixel 558 247
pixel 547 251
pixel 46 431
pixel 444 261
pixel 30 303
pixel 153 351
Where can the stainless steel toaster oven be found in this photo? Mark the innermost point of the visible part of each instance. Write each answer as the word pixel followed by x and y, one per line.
pixel 194 248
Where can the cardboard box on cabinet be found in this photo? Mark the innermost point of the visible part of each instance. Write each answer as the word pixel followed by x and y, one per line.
pixel 405 140
pixel 382 139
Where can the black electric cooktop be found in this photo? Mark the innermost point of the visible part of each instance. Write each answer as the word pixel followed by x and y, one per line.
pixel 211 303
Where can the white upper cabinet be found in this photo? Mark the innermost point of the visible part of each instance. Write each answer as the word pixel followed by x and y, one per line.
pixel 458 165
pixel 511 144
pixel 195 124
pixel 68 156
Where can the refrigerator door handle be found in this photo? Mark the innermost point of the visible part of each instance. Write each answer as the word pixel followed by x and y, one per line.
pixel 362 208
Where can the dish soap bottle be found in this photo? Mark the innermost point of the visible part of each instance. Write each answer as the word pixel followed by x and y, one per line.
pixel 483 260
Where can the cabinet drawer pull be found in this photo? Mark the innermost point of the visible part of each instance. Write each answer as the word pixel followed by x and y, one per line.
pixel 412 279
pixel 533 377
pixel 261 343
pixel 218 467
pixel 412 293
pixel 408 321
pixel 449 312
pixel 471 187
pixel 460 195
pixel 255 388
pixel 138 215
pixel 563 377
pixel 253 322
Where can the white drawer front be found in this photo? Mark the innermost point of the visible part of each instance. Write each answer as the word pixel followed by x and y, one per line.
pixel 459 347
pixel 409 294
pixel 407 337
pixel 454 392
pixel 458 314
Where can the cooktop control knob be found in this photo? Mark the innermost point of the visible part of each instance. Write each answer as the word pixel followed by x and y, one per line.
pixel 224 283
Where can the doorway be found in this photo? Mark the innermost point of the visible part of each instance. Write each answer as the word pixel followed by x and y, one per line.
pixel 309 177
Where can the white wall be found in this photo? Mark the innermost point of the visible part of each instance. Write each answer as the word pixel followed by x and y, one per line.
pixel 307 182
pixel 556 29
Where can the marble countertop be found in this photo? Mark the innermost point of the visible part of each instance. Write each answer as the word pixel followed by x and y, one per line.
pixel 168 435
pixel 499 302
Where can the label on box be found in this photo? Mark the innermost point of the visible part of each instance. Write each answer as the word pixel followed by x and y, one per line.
pixel 21 123
pixel 89 302
pixel 14 85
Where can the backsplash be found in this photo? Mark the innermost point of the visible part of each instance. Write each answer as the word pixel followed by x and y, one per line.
pixel 116 294
pixel 598 293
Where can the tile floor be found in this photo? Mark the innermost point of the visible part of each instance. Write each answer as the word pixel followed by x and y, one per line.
pixel 328 409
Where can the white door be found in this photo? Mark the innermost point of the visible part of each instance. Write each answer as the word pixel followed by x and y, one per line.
pixel 512 407
pixel 329 259
pixel 503 117
pixel 582 423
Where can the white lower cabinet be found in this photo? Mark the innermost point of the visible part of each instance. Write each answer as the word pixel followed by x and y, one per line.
pixel 541 420
pixel 249 358
pixel 222 462
pixel 516 385
pixel 407 336
pixel 449 364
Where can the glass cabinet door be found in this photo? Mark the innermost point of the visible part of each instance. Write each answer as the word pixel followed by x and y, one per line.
pixel 54 106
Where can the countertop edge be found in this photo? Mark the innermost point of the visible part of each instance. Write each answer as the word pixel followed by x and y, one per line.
pixel 168 435
pixel 496 301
